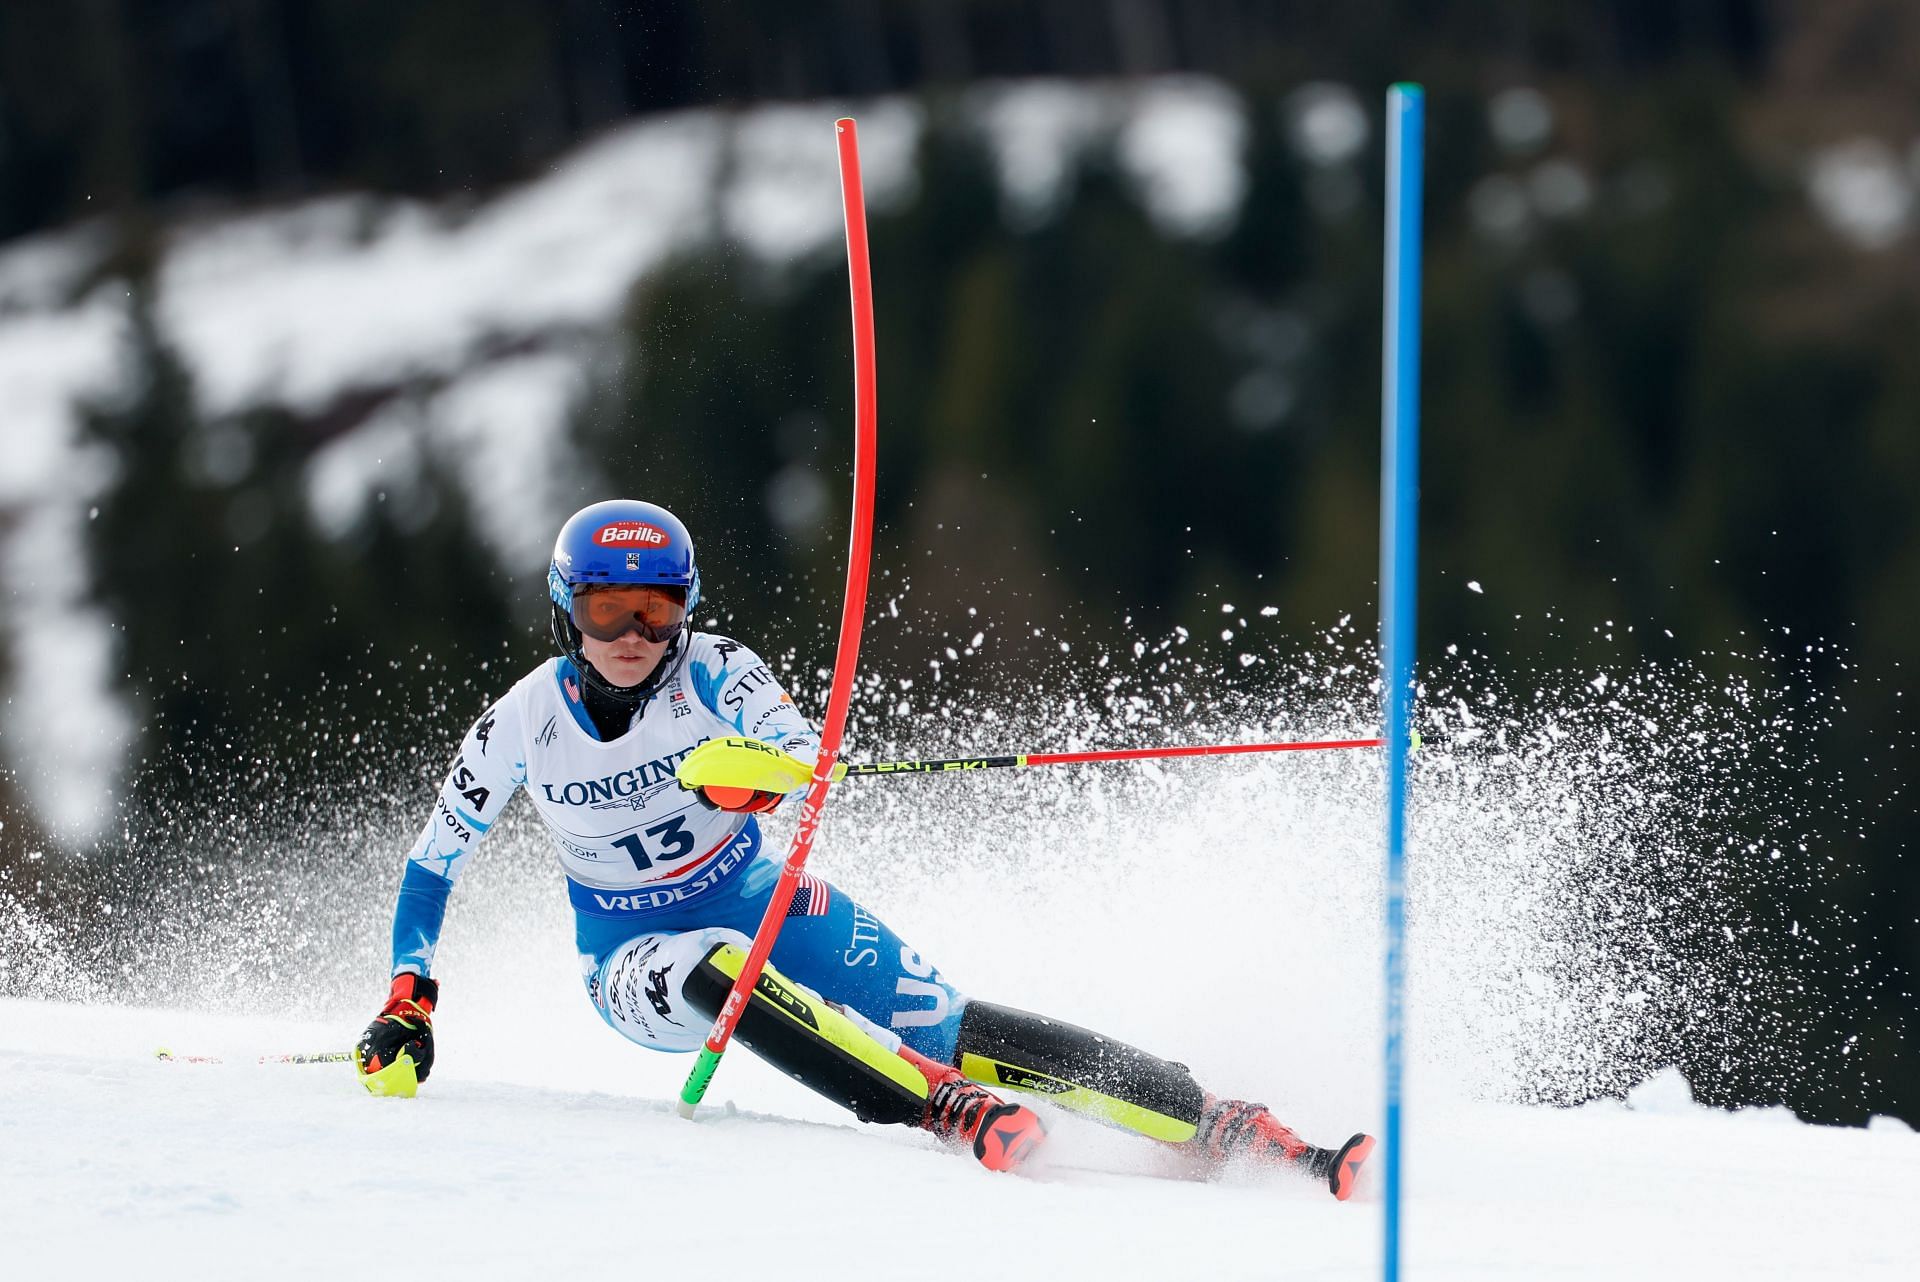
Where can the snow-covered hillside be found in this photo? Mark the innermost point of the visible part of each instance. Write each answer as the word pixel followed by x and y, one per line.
pixel 487 316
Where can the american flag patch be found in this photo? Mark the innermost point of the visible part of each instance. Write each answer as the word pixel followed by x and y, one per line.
pixel 810 898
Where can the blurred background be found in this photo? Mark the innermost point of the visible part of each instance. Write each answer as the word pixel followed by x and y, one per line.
pixel 317 318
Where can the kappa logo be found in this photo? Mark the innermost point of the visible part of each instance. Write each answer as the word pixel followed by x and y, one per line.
pixel 626 534
pixel 657 994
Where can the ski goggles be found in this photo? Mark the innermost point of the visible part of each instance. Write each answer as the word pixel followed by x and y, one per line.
pixel 609 613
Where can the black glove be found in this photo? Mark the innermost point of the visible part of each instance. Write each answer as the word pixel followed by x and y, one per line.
pixel 396 1051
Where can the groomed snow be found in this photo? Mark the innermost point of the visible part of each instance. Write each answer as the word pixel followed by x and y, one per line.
pixel 544 1146
pixel 1223 913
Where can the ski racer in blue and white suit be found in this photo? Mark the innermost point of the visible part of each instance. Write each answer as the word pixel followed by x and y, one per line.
pixel 668 883
pixel 644 858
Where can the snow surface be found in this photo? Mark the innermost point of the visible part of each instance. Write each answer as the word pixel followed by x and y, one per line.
pixel 1242 940
pixel 555 1153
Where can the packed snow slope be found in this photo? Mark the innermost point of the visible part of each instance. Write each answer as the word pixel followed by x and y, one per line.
pixel 544 1147
pixel 1590 872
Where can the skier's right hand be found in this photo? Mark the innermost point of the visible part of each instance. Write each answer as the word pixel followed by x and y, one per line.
pixel 395 1054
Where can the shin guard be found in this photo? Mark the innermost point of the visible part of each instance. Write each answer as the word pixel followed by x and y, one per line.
pixel 1079 1070
pixel 812 1041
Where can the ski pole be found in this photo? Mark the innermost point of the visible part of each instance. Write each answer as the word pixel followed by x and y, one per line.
pixel 294 1057
pixel 846 769
pixel 852 610
pixel 750 770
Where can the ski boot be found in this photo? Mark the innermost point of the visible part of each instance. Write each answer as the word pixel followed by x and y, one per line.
pixel 1002 1135
pixel 1232 1129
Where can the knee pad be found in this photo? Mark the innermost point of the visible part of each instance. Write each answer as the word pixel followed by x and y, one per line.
pixel 640 988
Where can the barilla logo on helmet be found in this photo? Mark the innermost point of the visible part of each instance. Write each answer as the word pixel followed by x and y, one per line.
pixel 627 534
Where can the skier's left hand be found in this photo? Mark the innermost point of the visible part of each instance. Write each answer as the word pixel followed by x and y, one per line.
pixel 742 774
pixel 395 1054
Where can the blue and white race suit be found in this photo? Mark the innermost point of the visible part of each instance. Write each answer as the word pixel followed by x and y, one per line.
pixel 656 877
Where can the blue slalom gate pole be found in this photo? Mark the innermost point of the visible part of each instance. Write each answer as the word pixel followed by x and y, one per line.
pixel 1399 548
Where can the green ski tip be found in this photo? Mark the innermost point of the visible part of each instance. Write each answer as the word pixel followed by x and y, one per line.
pixel 1413 742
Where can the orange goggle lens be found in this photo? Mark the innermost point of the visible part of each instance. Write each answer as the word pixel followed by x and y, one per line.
pixel 606 614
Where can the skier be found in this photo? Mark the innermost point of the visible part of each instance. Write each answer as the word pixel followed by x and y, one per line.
pixel 667 878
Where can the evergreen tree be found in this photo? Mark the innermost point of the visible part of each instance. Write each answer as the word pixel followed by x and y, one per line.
pixel 248 640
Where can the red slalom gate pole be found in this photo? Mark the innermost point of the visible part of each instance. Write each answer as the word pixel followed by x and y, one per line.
pixel 852 610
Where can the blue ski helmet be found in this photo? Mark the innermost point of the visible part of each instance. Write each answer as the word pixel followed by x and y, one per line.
pixel 619 541
pixel 622 541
